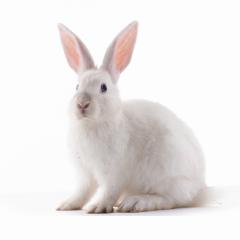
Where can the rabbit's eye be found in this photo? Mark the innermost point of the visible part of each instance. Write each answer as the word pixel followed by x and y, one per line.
pixel 77 87
pixel 103 88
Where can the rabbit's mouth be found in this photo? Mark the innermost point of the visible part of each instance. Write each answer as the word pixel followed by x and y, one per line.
pixel 79 112
pixel 83 114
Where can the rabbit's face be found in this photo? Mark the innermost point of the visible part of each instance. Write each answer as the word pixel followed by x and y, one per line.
pixel 96 96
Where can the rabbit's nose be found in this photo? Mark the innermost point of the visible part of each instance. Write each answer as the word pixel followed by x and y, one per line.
pixel 83 105
pixel 83 101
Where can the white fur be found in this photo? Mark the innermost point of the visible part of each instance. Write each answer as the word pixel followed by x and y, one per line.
pixel 135 155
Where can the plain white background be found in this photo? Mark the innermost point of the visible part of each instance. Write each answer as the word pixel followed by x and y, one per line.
pixel 187 57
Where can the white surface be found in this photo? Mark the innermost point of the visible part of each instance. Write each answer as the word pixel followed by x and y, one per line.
pixel 224 199
pixel 33 216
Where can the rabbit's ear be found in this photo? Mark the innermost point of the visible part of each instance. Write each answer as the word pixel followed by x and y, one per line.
pixel 119 53
pixel 75 51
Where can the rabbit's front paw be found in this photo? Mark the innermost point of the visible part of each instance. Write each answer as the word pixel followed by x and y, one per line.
pixel 98 207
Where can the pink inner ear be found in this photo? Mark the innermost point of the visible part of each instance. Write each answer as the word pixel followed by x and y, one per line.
pixel 124 48
pixel 71 50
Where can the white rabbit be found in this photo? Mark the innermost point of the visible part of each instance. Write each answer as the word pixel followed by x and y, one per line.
pixel 134 155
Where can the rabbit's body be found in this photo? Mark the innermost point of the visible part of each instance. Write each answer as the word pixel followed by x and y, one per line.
pixel 162 146
pixel 146 151
pixel 135 155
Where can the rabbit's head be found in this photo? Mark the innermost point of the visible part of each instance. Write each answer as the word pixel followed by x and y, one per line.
pixel 96 95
